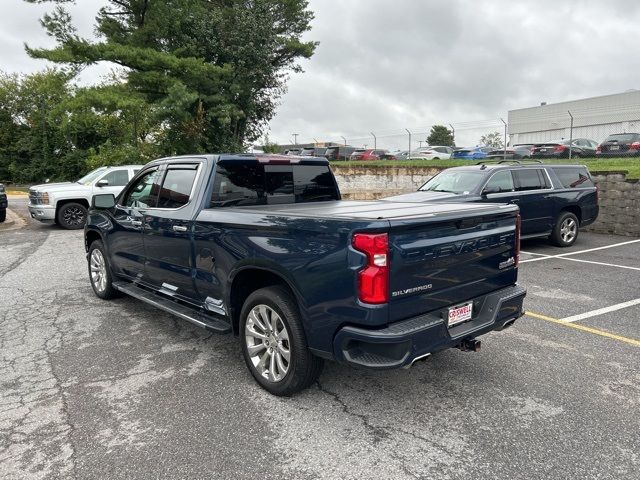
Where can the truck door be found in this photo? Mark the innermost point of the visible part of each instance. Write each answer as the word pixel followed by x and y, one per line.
pixel 126 248
pixel 167 234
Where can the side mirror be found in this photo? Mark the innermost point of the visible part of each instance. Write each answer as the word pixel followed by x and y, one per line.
pixel 102 183
pixel 103 201
pixel 489 190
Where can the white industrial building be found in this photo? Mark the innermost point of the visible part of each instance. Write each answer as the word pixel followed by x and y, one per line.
pixel 593 118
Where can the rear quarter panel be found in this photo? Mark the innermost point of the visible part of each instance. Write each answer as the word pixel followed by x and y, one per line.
pixel 313 255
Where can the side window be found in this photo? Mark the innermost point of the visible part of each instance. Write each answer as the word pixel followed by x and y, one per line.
pixel 500 182
pixel 238 183
pixel 177 185
pixel 530 179
pixel 573 177
pixel 140 195
pixel 117 178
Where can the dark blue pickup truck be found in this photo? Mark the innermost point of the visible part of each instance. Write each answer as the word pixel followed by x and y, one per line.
pixel 263 246
pixel 555 200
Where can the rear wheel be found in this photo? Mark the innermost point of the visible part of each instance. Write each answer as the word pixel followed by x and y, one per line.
pixel 72 216
pixel 565 231
pixel 274 344
pixel 3 214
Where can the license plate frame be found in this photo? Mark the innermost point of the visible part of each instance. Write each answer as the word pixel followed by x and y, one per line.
pixel 459 314
pixel 614 147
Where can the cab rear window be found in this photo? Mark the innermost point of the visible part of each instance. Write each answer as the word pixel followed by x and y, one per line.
pixel 574 177
pixel 238 183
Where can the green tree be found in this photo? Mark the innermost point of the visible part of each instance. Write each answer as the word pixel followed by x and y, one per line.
pixel 269 146
pixel 493 139
pixel 441 135
pixel 210 73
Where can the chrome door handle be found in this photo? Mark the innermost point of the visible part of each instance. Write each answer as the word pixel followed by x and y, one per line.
pixel 136 223
pixel 179 228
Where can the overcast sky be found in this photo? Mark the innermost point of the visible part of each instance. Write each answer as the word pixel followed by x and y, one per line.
pixel 386 65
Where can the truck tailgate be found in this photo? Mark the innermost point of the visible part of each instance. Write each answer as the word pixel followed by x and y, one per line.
pixel 444 261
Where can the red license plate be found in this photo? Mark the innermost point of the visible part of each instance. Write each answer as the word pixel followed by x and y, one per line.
pixel 460 314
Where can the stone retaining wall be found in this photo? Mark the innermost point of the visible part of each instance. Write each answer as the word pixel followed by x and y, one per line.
pixel 619 197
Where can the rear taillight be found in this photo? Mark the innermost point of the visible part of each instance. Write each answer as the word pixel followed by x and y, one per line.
pixel 559 148
pixel 517 240
pixel 373 279
pixel 634 146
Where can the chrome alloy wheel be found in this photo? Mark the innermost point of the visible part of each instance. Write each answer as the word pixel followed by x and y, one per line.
pixel 267 342
pixel 568 230
pixel 98 271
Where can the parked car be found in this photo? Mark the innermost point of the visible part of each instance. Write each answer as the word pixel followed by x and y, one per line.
pixel 554 200
pixel 67 203
pixel 580 147
pixel 3 203
pixel 338 152
pixel 313 151
pixel 432 153
pixel 472 153
pixel 293 151
pixel 402 155
pixel 620 145
pixel 265 248
pixel 512 153
pixel 363 154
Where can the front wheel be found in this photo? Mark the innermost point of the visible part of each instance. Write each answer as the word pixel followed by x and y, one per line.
pixel 565 231
pixel 100 272
pixel 72 216
pixel 274 344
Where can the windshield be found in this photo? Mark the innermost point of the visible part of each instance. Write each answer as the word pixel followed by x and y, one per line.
pixel 91 176
pixel 454 182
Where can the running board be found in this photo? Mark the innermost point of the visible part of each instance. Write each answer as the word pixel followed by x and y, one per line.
pixel 205 321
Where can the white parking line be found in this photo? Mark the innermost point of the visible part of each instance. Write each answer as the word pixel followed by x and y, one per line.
pixel 601 311
pixel 545 257
pixel 580 261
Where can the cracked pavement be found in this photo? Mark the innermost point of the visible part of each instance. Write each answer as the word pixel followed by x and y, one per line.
pixel 94 389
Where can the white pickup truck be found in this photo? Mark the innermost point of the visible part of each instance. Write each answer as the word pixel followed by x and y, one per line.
pixel 67 203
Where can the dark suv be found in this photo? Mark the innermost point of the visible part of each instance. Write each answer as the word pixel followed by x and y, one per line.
pixel 3 203
pixel 620 145
pixel 554 200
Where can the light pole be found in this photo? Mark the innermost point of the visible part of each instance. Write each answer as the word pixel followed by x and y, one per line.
pixel 295 138
pixel 375 141
pixel 345 145
pixel 505 139
pixel 409 141
pixel 570 135
pixel 453 133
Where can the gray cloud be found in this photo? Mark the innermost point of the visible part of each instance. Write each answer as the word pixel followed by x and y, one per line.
pixel 387 65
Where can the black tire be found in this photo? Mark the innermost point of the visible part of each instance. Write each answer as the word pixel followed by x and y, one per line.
pixel 3 214
pixel 435 158
pixel 565 232
pixel 72 216
pixel 104 291
pixel 303 368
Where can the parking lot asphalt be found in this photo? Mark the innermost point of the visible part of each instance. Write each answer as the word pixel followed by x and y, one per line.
pixel 95 389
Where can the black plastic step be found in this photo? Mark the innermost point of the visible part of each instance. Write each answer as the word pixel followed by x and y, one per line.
pixel 205 321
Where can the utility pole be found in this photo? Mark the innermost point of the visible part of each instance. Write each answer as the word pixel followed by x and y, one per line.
pixel 505 139
pixel 316 140
pixel 570 135
pixel 453 133
pixel 295 138
pixel 409 141
pixel 420 143
pixel 345 151
pixel 375 141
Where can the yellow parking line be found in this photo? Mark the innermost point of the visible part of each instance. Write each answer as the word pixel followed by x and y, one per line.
pixel 595 331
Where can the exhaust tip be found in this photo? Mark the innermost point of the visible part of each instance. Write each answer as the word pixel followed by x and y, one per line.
pixel 472 345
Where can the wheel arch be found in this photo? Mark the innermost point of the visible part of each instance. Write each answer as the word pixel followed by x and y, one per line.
pixel 575 209
pixel 61 203
pixel 247 280
pixel 91 236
